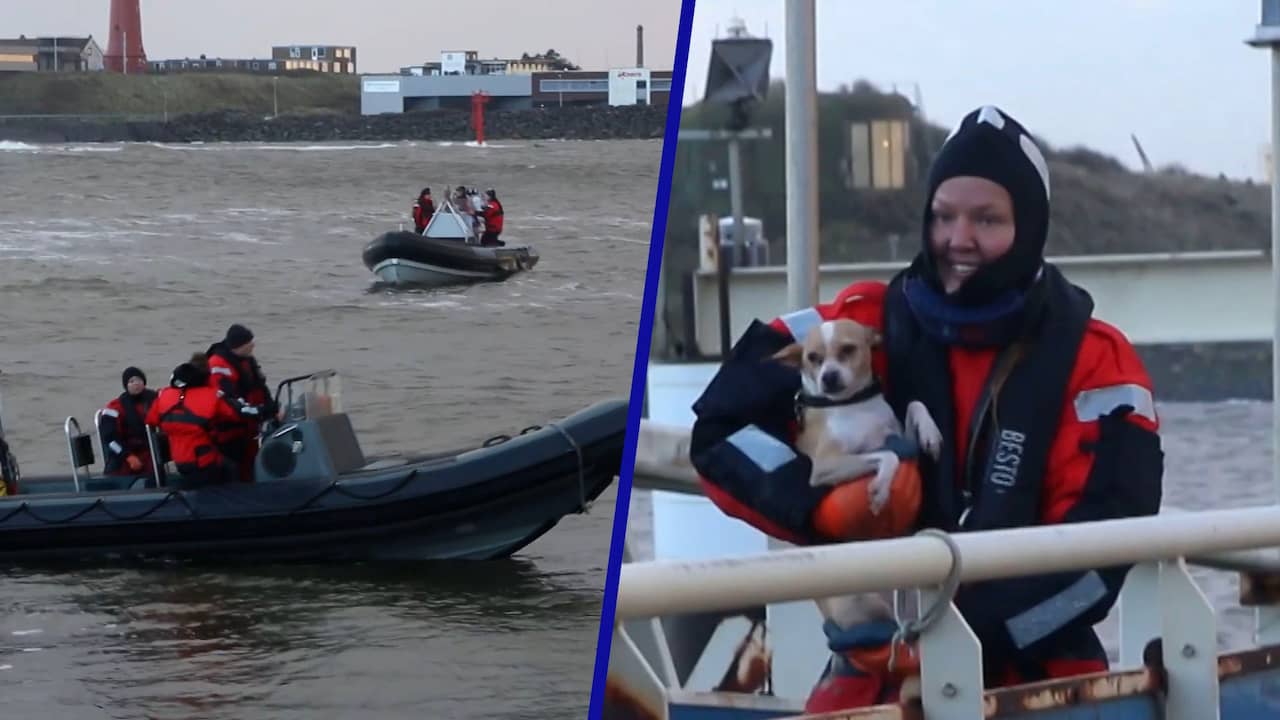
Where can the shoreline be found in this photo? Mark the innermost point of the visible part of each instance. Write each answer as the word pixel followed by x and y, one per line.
pixel 570 123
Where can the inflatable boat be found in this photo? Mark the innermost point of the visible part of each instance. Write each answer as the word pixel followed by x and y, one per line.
pixel 407 258
pixel 317 496
pixel 448 252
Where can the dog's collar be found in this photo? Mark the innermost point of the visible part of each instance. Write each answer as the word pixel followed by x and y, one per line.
pixel 804 400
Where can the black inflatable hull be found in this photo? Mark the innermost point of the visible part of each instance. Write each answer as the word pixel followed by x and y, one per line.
pixel 406 258
pixel 483 503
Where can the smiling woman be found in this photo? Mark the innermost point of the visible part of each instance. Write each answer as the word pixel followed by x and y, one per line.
pixel 972 226
pixel 1046 413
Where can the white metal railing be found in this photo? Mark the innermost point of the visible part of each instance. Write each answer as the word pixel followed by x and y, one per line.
pixel 1161 548
pixel 659 587
pixel 1173 607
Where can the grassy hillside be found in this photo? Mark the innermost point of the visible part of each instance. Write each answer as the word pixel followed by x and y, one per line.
pixel 111 93
pixel 1098 205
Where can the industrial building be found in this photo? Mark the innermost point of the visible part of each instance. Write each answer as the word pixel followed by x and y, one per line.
pixel 469 62
pixel 621 86
pixel 538 81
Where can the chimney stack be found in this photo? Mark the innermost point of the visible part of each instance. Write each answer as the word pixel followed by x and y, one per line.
pixel 639 46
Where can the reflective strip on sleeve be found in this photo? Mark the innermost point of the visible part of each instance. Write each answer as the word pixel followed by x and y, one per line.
pixel 761 448
pixel 1099 402
pixel 800 322
pixel 1053 614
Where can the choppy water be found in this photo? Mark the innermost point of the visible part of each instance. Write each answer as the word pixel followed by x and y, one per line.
pixel 117 255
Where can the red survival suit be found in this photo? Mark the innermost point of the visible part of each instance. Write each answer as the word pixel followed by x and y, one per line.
pixel 493 214
pixel 1089 451
pixel 422 211
pixel 240 378
pixel 187 415
pixel 124 433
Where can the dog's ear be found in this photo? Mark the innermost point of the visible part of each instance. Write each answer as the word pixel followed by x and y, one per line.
pixel 790 355
pixel 875 337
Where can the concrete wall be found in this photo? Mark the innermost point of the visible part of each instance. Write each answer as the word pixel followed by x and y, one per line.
pixel 396 93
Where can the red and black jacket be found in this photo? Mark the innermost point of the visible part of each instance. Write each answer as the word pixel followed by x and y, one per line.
pixel 240 378
pixel 493 214
pixel 422 212
pixel 124 431
pixel 187 416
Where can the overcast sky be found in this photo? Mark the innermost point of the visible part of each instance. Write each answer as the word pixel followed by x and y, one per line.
pixel 1175 72
pixel 388 34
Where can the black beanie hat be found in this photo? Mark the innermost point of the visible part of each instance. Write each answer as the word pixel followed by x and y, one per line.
pixel 132 372
pixel 238 335
pixel 188 375
pixel 988 143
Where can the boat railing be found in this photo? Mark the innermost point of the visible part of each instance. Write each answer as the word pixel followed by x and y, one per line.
pixel 97 427
pixel 80 450
pixel 1160 600
pixel 319 394
pixel 158 443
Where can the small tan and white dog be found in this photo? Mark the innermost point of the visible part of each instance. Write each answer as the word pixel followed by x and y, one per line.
pixel 844 423
pixel 844 418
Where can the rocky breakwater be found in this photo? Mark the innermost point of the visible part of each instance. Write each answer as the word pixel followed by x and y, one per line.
pixel 576 123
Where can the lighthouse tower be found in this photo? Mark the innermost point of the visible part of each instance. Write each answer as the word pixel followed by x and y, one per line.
pixel 124 39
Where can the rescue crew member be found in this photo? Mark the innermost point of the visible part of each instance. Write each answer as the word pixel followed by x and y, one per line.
pixel 1047 413
pixel 492 219
pixel 235 371
pixel 186 412
pixel 8 470
pixel 124 431
pixel 423 210
pixel 462 200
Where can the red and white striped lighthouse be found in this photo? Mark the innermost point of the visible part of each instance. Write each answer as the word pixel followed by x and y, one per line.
pixel 124 39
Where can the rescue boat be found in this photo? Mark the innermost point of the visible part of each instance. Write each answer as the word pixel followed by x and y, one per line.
pixel 448 252
pixel 316 495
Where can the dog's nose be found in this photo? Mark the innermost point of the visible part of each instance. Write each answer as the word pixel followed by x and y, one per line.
pixel 831 380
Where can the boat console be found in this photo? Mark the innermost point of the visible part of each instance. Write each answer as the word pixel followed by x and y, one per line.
pixel 315 438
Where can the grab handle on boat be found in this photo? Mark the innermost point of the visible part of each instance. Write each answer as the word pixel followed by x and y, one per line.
pixel 288 382
pixel 158 459
pixel 67 426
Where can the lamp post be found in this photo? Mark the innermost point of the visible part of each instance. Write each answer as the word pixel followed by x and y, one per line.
pixel 737 77
pixel 1267 35
pixel 802 156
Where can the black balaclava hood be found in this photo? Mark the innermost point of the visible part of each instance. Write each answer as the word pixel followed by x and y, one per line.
pixel 989 143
